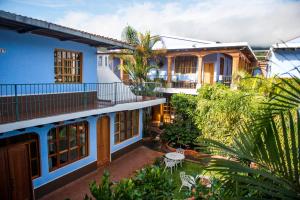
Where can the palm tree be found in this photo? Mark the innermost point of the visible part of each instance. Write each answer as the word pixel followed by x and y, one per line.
pixel 137 62
pixel 264 159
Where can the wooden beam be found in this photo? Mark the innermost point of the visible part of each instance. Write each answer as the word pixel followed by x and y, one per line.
pixel 235 68
pixel 200 61
pixel 121 69
pixel 169 78
pixel 29 29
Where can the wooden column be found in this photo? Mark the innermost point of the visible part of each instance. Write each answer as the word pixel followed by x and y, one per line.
pixel 199 81
pixel 121 69
pixel 169 78
pixel 235 68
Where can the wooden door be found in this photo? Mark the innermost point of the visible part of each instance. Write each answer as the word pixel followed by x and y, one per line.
pixel 208 73
pixel 4 175
pixel 17 174
pixel 103 141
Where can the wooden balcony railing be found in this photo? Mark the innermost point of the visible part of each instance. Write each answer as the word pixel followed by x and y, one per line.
pixel 28 101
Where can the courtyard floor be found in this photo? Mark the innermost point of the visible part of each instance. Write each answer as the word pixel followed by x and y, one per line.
pixel 122 167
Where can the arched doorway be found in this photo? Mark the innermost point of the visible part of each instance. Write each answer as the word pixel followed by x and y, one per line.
pixel 103 140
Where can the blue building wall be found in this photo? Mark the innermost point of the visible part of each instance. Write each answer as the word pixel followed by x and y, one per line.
pixel 46 175
pixel 282 61
pixel 29 58
pixel 116 147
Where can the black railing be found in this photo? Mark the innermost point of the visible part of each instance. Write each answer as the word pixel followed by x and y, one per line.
pixel 188 81
pixel 224 79
pixel 28 101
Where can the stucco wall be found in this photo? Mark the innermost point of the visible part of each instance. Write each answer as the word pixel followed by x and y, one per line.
pixel 30 58
pixel 42 132
pixel 282 61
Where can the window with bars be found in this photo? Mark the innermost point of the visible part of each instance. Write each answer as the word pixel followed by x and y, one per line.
pixel 67 144
pixel 185 64
pixel 67 66
pixel 126 125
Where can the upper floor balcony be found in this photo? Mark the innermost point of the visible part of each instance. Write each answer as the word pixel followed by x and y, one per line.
pixel 20 102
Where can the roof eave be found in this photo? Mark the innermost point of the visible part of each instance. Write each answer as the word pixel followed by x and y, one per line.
pixel 61 29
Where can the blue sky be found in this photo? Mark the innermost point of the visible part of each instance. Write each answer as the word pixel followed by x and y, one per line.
pixel 259 22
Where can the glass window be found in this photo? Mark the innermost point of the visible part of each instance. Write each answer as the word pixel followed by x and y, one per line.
pixel 126 125
pixel 100 61
pixel 71 141
pixel 185 64
pixel 67 66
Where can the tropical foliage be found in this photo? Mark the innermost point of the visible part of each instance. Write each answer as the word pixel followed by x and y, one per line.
pixel 264 156
pixel 137 62
pixel 220 110
pixel 183 130
pixel 149 183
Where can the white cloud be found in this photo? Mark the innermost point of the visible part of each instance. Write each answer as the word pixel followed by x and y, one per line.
pixel 259 22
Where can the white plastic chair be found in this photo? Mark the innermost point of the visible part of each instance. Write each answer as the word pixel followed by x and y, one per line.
pixel 169 164
pixel 186 181
pixel 181 151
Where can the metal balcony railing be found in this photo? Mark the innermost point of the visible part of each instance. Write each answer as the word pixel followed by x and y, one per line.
pixel 188 81
pixel 28 101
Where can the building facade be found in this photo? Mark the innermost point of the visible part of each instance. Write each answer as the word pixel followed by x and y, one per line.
pixel 284 58
pixel 60 117
pixel 187 64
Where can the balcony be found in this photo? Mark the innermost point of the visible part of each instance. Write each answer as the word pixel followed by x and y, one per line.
pixel 29 101
pixel 184 81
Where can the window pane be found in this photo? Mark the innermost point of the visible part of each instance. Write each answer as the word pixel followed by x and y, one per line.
pixel 117 138
pixel 52 161
pixel 33 150
pixel 82 151
pixel 34 167
pixel 135 122
pixel 122 136
pixel 73 135
pixel 63 140
pixel 51 148
pixel 63 158
pixel 82 138
pixel 67 61
pixel 117 127
pixel 74 154
pixel 52 134
pixel 82 127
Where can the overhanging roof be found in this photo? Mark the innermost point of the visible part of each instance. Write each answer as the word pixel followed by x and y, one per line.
pixel 23 24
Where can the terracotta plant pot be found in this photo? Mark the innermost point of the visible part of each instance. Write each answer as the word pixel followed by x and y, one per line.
pixel 187 152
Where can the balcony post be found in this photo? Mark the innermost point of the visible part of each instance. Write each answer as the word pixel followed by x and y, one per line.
pixel 199 78
pixel 169 78
pixel 16 103
pixel 121 69
pixel 115 90
pixel 235 69
pixel 84 96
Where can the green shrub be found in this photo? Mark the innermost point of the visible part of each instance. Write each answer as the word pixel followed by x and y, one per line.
pixel 183 131
pixel 126 189
pixel 220 111
pixel 154 183
pixel 102 191
pixel 149 183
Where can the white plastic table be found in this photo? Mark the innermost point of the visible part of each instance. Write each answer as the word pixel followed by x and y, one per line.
pixel 175 156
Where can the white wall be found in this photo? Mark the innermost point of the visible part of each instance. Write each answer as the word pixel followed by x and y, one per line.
pixel 282 61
